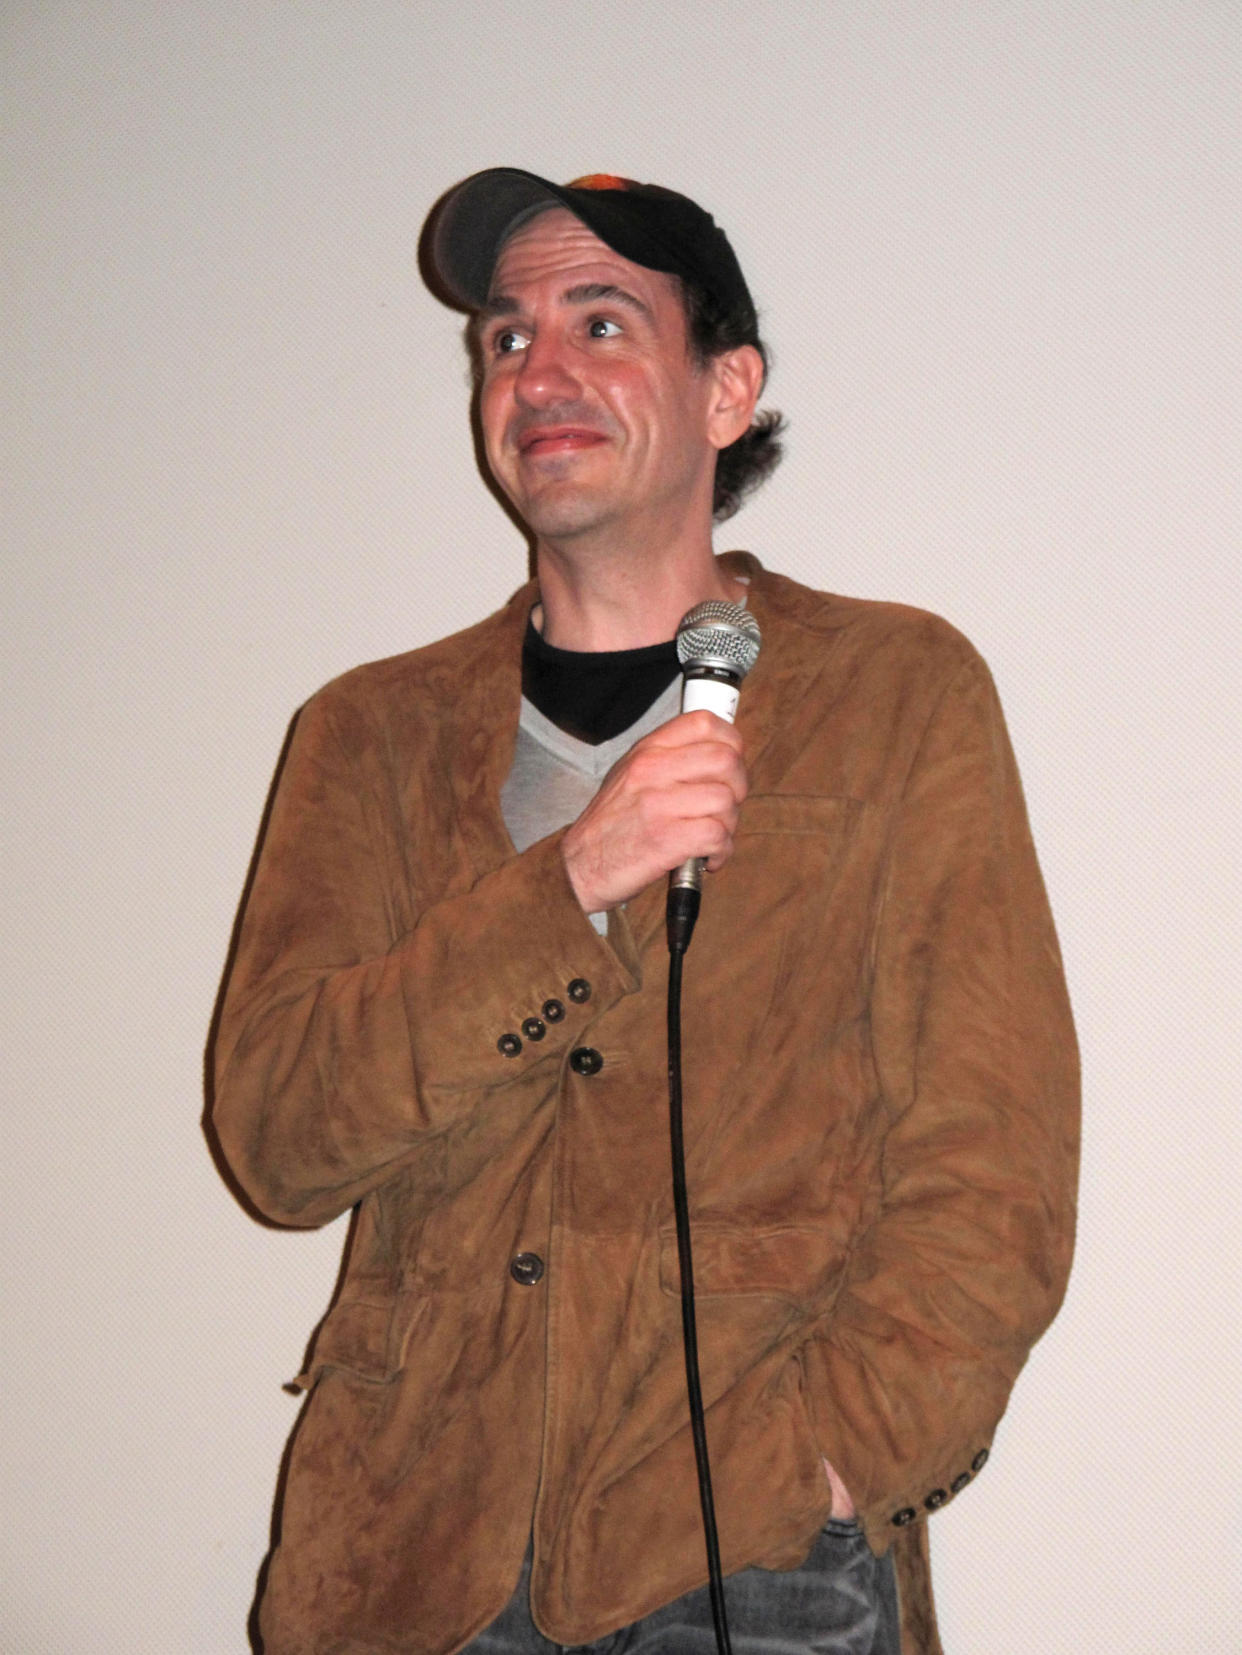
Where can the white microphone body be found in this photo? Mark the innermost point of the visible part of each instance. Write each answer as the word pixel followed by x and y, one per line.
pixel 710 695
pixel 717 644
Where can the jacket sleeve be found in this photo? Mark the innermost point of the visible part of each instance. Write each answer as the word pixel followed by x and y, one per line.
pixel 348 1044
pixel 966 1256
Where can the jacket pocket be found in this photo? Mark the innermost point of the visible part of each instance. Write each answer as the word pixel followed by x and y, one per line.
pixel 791 849
pixel 364 1337
pixel 800 1263
pixel 819 814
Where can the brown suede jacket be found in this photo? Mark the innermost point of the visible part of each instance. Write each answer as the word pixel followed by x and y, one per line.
pixel 881 1125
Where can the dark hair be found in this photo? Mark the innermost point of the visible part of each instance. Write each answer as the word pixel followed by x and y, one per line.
pixel 711 329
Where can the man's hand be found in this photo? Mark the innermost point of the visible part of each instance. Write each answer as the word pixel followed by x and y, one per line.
pixel 674 795
pixel 842 1505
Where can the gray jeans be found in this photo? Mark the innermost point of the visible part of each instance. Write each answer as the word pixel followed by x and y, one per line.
pixel 841 1601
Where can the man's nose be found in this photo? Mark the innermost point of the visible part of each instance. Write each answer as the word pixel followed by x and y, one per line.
pixel 547 374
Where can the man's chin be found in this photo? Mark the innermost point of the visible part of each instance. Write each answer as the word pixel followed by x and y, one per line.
pixel 563 515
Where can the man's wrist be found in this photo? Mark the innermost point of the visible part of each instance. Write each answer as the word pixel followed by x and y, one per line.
pixel 842 1505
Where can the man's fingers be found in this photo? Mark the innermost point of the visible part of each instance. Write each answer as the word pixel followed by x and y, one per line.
pixel 707 797
pixel 717 860
pixel 681 761
pixel 692 727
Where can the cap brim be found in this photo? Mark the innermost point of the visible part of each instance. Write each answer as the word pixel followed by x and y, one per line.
pixel 470 224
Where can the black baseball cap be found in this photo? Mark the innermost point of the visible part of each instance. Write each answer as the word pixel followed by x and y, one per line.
pixel 645 223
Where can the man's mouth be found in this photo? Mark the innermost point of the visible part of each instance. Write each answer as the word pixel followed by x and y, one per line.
pixel 541 440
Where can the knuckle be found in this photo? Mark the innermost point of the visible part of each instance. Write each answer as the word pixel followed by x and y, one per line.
pixel 643 767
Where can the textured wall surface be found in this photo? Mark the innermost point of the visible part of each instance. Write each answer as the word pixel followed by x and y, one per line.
pixel 992 241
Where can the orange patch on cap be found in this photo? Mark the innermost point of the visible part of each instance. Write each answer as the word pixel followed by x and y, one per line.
pixel 600 181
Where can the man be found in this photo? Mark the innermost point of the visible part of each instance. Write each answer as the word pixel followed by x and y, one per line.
pixel 447 1010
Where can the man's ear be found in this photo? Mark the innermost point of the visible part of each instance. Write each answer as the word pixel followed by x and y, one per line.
pixel 737 379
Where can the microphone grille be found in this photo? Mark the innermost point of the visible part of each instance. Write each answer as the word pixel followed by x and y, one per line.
pixel 718 634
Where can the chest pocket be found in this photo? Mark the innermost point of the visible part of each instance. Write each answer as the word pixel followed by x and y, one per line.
pixel 768 935
pixel 771 900
pixel 808 815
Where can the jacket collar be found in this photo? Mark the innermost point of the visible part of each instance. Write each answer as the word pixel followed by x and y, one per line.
pixel 798 628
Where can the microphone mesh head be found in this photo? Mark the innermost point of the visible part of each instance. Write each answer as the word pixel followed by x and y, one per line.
pixel 720 635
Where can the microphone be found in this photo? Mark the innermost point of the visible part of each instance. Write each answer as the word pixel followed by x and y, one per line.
pixel 717 645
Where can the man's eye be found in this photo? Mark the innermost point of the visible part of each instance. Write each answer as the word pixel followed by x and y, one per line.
pixel 599 327
pixel 509 340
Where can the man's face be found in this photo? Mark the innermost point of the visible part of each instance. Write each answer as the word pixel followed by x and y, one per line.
pixel 595 417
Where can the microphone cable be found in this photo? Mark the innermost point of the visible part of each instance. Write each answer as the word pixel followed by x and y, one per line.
pixel 683 908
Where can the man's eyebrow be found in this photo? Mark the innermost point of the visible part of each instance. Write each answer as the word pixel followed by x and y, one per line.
pixel 585 293
pixel 496 304
pixel 589 292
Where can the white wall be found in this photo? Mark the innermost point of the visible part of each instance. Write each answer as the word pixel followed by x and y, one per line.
pixel 992 241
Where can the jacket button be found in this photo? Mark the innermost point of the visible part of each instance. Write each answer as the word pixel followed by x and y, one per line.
pixel 526 1268
pixel 579 991
pixel 534 1029
pixel 553 1011
pixel 959 1482
pixel 585 1060
pixel 907 1514
pixel 935 1499
pixel 508 1045
pixel 980 1460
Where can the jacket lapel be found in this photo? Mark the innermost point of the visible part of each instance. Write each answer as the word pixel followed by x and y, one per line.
pixel 486 698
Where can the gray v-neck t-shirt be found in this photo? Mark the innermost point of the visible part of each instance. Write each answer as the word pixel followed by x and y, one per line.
pixel 555 776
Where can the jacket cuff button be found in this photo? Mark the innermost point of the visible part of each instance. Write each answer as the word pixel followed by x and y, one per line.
pixel 585 1060
pixel 959 1482
pixel 579 991
pixel 980 1460
pixel 534 1029
pixel 508 1045
pixel 936 1499
pixel 907 1514
pixel 553 1011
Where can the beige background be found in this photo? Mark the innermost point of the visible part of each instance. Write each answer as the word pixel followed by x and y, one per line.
pixel 993 242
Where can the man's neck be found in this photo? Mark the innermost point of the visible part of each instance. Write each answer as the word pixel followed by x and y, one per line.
pixel 624 601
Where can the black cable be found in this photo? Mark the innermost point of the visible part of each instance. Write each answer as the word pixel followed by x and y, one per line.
pixel 682 912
